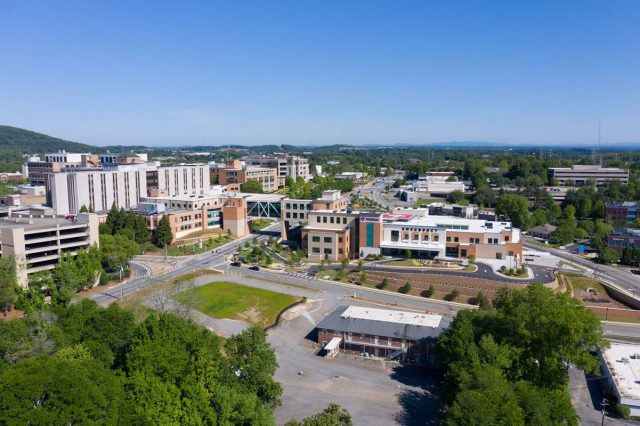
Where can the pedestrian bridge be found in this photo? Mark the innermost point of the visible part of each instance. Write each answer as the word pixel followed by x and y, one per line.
pixel 264 206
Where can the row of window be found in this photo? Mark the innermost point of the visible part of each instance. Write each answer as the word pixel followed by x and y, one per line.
pixel 295 206
pixel 331 219
pixel 295 215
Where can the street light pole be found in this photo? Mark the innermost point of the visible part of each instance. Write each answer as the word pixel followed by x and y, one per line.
pixel 121 270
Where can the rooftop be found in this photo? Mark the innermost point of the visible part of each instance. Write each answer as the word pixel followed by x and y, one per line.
pixel 623 361
pixel 35 223
pixel 398 317
pixel 385 323
pixel 449 222
pixel 588 168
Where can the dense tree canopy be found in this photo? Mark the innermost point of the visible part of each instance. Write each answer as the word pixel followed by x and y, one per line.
pixel 508 365
pixel 82 364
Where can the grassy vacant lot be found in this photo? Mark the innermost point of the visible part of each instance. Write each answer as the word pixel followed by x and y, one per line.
pixel 224 299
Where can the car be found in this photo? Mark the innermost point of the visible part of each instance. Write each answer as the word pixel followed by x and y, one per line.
pixel 236 264
pixel 254 268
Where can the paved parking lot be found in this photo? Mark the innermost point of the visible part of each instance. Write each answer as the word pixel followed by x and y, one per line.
pixel 374 392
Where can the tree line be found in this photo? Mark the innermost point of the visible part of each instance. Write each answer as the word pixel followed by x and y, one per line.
pixel 83 364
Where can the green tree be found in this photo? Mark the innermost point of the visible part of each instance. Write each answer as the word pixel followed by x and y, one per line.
pixel 117 250
pixel 84 209
pixel 60 391
pixel 363 278
pixel 8 283
pixel 163 233
pixel 429 292
pixel 516 207
pixel 406 288
pixel 455 197
pixel 333 415
pixel 344 263
pixel 252 186
pixel 252 362
pixel 608 256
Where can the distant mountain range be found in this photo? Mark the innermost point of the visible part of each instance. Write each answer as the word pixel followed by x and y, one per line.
pixel 28 142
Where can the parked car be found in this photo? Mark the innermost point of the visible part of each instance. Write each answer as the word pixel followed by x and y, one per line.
pixel 236 264
pixel 254 268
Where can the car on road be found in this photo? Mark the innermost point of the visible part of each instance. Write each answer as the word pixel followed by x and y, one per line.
pixel 254 268
pixel 236 264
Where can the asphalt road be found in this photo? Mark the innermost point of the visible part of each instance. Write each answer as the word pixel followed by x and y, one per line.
pixel 541 274
pixel 618 276
pixel 213 259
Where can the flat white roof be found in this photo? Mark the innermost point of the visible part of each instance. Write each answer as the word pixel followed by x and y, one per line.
pixel 623 361
pixel 397 317
pixel 473 225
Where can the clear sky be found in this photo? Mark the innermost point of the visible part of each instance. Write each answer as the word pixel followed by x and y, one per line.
pixel 257 72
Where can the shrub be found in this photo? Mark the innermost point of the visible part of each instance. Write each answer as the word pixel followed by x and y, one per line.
pixel 406 288
pixel 428 292
pixel 621 411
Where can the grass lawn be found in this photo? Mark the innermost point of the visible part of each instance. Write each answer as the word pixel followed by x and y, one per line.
pixel 335 275
pixel 224 299
pixel 428 201
pixel 403 262
pixel 181 249
pixel 260 224
pixel 579 282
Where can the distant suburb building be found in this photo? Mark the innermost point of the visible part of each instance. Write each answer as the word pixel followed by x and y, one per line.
pixel 381 333
pixel 37 242
pixel 622 212
pixel 579 174
pixel 621 238
pixel 285 165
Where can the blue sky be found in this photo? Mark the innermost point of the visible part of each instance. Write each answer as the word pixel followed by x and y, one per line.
pixel 257 72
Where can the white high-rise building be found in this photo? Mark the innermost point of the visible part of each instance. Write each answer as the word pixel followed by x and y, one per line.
pixel 97 190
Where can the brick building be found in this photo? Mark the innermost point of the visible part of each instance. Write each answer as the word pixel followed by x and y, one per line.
pixel 381 333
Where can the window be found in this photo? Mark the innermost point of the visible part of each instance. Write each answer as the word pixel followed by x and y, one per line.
pixel 448 239
pixel 331 219
pixel 318 219
pixel 324 219
pixel 295 207
pixel 288 215
pixel 506 239
pixel 463 253
pixel 340 251
pixel 295 215
pixel 455 239
pixel 510 253
pixel 328 251
pixel 499 256
pixel 395 235
pixel 416 237
pixel 436 238
pixel 344 220
pixel 339 239
pixel 315 250
pixel 315 239
pixel 328 239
